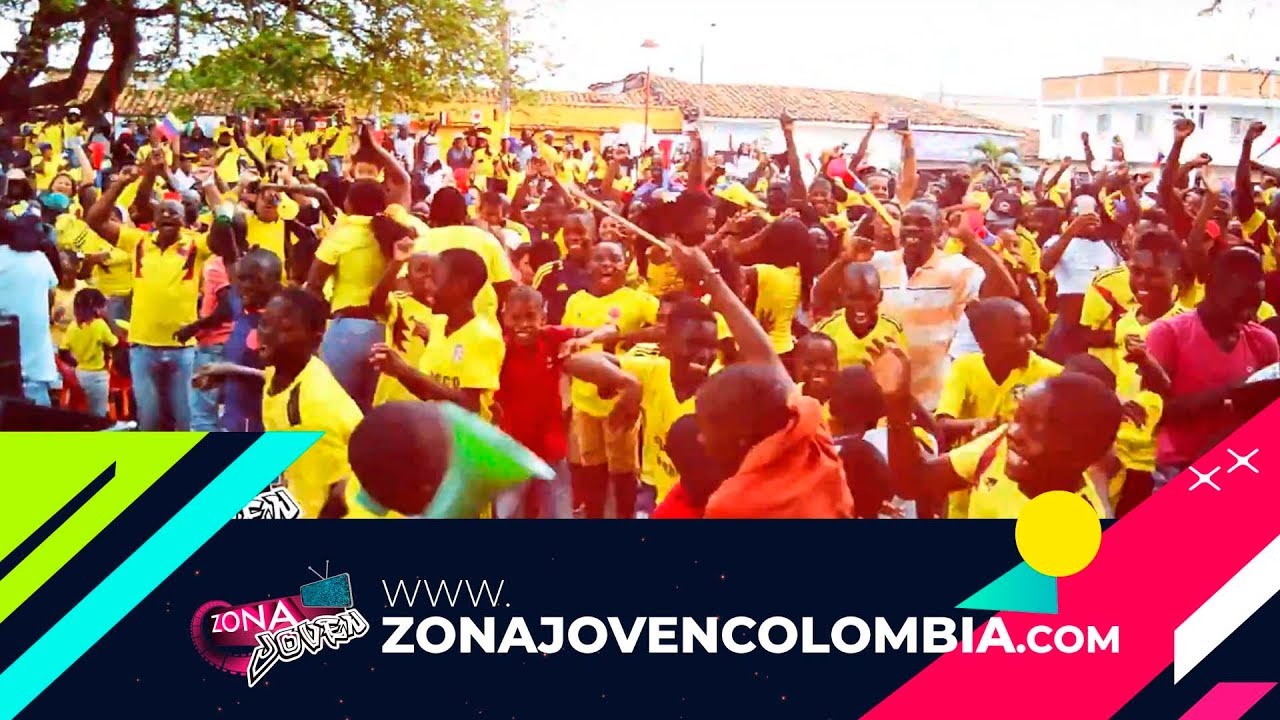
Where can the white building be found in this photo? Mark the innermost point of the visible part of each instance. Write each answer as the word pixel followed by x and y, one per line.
pixel 1139 100
pixel 731 115
pixel 1019 112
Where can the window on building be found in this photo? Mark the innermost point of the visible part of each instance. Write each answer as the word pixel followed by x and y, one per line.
pixel 1195 113
pixel 1055 126
pixel 1239 126
pixel 1142 125
pixel 1104 123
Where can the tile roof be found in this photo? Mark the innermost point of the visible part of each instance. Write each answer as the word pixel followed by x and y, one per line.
pixel 141 97
pixel 768 101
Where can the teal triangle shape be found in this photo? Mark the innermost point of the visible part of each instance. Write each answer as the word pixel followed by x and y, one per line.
pixel 1019 590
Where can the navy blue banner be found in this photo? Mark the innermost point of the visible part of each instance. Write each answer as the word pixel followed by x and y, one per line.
pixel 153 663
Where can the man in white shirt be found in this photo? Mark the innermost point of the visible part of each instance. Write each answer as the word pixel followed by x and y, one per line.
pixel 1074 257
pixel 27 281
pixel 403 145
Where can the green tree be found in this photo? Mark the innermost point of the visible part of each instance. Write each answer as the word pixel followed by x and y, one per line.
pixel 263 52
pixel 994 154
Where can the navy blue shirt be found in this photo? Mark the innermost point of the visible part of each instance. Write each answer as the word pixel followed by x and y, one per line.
pixel 242 409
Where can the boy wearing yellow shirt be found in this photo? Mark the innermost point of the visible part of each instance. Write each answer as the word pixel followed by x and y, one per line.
pixel 299 393
pixel 660 387
pixel 983 390
pixel 858 327
pixel 1063 426
pixel 407 314
pixel 462 358
pixel 604 452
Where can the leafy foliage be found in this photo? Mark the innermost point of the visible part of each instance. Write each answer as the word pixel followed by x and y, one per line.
pixel 265 53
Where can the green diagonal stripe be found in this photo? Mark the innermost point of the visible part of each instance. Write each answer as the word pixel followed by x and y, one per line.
pixel 156 559
pixel 62 464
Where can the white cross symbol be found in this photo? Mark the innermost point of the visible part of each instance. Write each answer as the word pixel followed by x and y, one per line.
pixel 1243 461
pixel 1204 479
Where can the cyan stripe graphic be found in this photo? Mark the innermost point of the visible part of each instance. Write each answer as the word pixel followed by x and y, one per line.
pixel 155 560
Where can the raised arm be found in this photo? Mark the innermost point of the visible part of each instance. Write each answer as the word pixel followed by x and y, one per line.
pixel 400 254
pixel 394 176
pixel 753 343
pixel 1088 152
pixel 798 193
pixel 1198 241
pixel 864 145
pixel 909 178
pixel 697 176
pixel 1243 196
pixel 999 281
pixel 101 215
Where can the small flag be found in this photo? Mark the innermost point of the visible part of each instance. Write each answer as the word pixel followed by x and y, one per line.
pixel 1270 148
pixel 170 126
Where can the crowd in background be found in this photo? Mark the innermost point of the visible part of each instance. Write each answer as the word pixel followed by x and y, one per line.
pixel 678 332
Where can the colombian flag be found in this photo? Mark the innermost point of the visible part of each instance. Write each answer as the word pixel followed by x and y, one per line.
pixel 170 126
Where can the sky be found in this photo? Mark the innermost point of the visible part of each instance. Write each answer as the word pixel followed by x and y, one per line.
pixel 904 47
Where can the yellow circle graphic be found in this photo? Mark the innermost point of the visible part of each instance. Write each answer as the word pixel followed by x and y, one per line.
pixel 1058 533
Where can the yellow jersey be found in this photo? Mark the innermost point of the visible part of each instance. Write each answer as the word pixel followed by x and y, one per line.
pixel 853 350
pixel 270 235
pixel 659 410
pixel 314 401
pixel 358 262
pixel 496 261
pixel 627 309
pixel 468 359
pixel 166 284
pixel 970 393
pixel 87 343
pixel 62 314
pixel 994 496
pixel 777 299
pixel 408 327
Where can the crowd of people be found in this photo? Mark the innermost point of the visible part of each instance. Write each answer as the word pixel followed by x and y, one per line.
pixel 677 336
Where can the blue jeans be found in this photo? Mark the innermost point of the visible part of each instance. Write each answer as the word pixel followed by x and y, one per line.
pixel 119 307
pixel 555 498
pixel 95 384
pixel 345 349
pixel 37 391
pixel 161 379
pixel 204 403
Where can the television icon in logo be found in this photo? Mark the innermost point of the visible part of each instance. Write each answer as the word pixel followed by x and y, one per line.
pixel 331 592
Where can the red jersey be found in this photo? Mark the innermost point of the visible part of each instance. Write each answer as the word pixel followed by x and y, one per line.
pixel 529 393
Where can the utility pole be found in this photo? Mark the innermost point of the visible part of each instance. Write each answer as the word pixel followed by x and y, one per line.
pixel 505 103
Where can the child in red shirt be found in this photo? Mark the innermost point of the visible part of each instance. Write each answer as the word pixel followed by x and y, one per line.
pixel 527 405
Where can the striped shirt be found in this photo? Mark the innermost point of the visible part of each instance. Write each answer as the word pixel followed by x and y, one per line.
pixel 930 305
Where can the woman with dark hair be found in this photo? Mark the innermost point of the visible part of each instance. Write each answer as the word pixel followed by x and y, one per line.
pixel 778 271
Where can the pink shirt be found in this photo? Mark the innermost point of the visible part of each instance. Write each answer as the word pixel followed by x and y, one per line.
pixel 213 279
pixel 1195 364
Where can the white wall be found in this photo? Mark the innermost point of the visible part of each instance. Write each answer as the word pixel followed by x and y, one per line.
pixel 1215 138
pixel 933 145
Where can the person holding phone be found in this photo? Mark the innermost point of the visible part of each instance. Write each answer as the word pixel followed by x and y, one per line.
pixel 1073 258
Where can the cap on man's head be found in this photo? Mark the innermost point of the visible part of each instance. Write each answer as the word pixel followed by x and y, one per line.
pixel 73 111
pixel 44 146
pixel 16 174
pixel 1005 209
